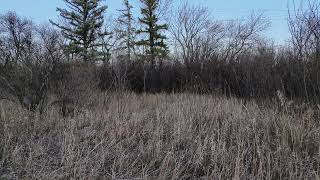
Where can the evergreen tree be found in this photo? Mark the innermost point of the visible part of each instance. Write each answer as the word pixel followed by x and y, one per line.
pixel 127 31
pixel 156 47
pixel 108 42
pixel 84 21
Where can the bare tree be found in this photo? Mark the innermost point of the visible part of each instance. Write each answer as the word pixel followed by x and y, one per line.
pixel 241 35
pixel 51 42
pixel 304 26
pixel 194 33
pixel 16 36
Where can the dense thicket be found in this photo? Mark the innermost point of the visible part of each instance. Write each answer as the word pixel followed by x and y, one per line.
pixel 252 76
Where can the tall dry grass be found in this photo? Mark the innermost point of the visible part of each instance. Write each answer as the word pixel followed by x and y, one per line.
pixel 178 136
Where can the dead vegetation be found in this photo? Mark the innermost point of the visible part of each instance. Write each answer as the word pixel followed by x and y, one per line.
pixel 163 136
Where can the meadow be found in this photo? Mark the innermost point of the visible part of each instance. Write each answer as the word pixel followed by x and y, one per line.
pixel 161 136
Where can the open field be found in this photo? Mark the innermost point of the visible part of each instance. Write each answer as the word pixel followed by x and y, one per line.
pixel 162 136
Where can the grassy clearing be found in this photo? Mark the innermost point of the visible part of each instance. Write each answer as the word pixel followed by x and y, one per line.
pixel 180 136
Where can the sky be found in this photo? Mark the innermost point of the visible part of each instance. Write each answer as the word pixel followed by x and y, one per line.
pixel 275 10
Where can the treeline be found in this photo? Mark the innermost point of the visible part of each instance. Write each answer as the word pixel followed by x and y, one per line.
pixel 165 49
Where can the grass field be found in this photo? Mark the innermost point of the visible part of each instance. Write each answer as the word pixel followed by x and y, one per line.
pixel 161 136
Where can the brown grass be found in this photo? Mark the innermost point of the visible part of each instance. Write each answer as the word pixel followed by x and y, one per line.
pixel 182 136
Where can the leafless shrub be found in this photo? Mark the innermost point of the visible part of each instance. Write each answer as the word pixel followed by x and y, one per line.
pixel 77 89
pixel 31 56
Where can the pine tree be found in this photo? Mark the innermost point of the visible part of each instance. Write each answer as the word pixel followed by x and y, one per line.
pixel 83 28
pixel 127 31
pixel 108 42
pixel 150 20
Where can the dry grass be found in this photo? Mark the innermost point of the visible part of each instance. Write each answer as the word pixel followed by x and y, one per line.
pixel 128 136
